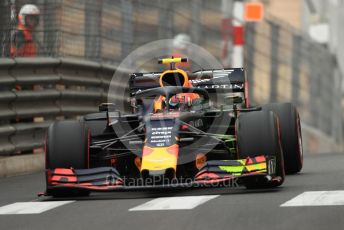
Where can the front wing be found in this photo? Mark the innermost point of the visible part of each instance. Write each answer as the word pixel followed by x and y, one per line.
pixel 215 173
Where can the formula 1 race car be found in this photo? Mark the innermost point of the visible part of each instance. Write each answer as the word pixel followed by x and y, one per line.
pixel 186 129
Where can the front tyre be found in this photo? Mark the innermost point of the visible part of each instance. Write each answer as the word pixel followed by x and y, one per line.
pixel 67 147
pixel 258 134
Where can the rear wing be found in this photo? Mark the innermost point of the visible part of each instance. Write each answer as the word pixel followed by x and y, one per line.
pixel 214 81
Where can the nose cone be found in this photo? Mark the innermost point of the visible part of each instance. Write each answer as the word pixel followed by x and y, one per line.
pixel 159 158
pixel 159 164
pixel 164 176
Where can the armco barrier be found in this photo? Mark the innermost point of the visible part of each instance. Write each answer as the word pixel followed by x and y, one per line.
pixel 36 91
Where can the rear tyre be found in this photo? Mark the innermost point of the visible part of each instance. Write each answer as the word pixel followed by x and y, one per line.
pixel 67 147
pixel 258 134
pixel 291 138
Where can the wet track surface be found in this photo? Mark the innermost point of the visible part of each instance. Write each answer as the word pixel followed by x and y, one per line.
pixel 191 209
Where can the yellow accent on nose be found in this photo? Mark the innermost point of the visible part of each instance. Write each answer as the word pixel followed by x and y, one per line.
pixel 159 159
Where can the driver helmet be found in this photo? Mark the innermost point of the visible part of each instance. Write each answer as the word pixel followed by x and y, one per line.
pixel 29 16
pixel 173 102
pixel 180 100
pixel 181 41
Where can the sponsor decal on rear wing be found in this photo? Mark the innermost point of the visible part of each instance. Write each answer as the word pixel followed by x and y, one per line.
pixel 212 80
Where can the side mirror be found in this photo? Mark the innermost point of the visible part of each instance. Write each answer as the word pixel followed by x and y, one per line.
pixel 107 107
pixel 111 115
pixel 233 99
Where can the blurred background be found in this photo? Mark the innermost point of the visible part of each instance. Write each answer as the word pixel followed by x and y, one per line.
pixel 294 52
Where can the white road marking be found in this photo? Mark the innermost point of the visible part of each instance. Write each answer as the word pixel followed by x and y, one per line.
pixel 173 203
pixel 31 207
pixel 317 198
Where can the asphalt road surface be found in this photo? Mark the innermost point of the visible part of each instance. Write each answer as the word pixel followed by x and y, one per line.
pixel 313 199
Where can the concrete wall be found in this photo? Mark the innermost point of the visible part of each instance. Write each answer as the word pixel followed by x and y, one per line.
pixel 288 11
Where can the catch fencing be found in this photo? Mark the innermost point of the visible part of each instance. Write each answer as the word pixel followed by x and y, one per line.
pixel 108 30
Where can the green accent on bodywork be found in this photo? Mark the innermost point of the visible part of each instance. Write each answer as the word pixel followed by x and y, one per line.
pixel 232 150
pixel 232 169
pixel 226 137
pixel 239 170
pixel 230 142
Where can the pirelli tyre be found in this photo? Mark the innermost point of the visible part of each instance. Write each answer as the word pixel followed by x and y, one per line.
pixel 291 138
pixel 258 133
pixel 67 147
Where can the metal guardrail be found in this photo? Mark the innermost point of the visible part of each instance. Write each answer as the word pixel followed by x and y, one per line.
pixel 36 91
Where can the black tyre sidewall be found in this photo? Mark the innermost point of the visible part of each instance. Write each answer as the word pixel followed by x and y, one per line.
pixel 290 135
pixel 258 134
pixel 67 145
